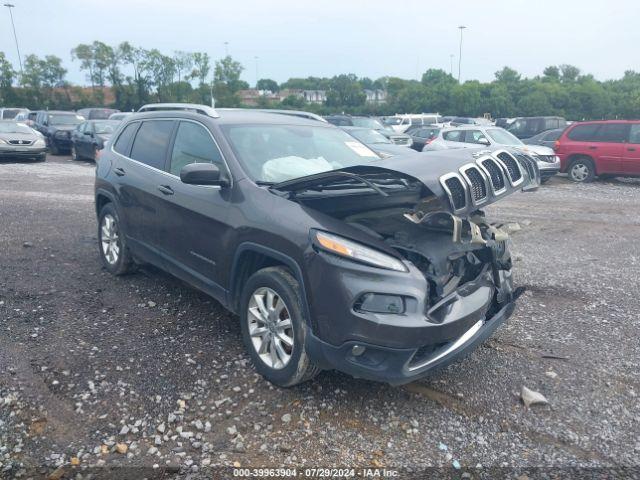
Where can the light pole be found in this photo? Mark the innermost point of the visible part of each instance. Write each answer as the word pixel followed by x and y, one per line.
pixel 461 27
pixel 10 6
pixel 256 59
pixel 451 55
pixel 226 49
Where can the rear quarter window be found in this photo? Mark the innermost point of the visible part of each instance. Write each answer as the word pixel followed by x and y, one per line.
pixel 123 142
pixel 584 133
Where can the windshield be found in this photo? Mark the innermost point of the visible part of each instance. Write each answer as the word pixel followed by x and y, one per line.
pixel 14 127
pixel 275 153
pixel 9 113
pixel 502 137
pixel 367 123
pixel 62 119
pixel 106 127
pixel 369 136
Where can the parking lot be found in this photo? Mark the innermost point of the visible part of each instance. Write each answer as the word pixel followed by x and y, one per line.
pixel 144 371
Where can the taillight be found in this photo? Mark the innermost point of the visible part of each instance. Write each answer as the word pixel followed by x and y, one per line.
pixel 556 146
pixel 98 154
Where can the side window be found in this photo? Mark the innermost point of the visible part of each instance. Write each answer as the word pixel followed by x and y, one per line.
pixel 151 142
pixel 454 136
pixel 584 133
pixel 613 133
pixel 193 144
pixel 634 134
pixel 124 140
pixel 474 136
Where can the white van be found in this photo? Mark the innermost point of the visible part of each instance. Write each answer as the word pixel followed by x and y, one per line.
pixel 402 122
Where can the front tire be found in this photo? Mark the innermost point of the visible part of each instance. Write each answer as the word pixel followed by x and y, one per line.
pixel 581 170
pixel 114 253
pixel 74 153
pixel 274 327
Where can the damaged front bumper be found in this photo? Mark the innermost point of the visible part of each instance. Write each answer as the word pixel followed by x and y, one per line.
pixel 399 348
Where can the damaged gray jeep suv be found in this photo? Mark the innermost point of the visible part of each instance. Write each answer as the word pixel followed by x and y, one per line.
pixel 332 257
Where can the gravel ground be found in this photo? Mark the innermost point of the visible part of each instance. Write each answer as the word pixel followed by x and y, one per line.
pixel 143 376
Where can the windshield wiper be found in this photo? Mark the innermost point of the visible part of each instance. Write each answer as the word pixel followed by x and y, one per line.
pixel 306 183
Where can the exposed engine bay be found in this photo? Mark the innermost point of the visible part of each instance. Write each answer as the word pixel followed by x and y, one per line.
pixel 429 214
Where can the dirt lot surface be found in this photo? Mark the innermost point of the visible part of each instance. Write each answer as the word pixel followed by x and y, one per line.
pixel 143 376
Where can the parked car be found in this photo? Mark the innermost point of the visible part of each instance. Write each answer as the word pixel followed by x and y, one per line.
pixel 56 126
pixel 527 127
pixel 546 139
pixel 400 123
pixel 372 123
pixel 422 136
pixel 474 136
pixel 10 113
pixel 18 140
pixel 602 148
pixel 89 137
pixel 457 121
pixel 97 113
pixel 119 115
pixel 332 257
pixel 377 142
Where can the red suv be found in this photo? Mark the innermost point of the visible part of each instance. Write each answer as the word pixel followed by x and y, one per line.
pixel 611 147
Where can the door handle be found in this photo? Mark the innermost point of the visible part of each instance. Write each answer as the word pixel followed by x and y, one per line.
pixel 119 171
pixel 631 149
pixel 165 189
pixel 592 148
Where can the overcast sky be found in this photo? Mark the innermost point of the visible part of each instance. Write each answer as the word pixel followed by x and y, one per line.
pixel 294 38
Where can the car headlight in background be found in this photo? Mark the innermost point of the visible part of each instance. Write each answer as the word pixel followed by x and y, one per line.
pixel 61 134
pixel 39 143
pixel 2 142
pixel 355 251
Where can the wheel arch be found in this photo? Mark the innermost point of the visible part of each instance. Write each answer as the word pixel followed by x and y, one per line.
pixel 102 198
pixel 575 156
pixel 251 257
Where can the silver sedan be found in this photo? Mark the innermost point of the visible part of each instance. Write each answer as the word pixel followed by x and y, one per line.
pixel 18 140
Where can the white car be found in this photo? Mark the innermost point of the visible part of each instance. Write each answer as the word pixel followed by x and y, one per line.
pixel 473 136
pixel 400 123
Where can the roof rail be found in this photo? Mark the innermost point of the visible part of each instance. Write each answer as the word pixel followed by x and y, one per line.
pixel 190 107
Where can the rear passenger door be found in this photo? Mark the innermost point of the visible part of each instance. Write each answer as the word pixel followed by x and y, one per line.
pixel 195 214
pixel 609 147
pixel 139 174
pixel 631 161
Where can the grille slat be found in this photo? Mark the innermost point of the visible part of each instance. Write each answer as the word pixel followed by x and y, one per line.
pixel 495 174
pixel 457 192
pixel 512 166
pixel 477 184
pixel 20 142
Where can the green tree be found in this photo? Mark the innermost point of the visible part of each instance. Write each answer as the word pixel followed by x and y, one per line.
pixel 267 84
pixel 227 72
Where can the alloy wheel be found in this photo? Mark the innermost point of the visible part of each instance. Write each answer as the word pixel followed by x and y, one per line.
pixel 270 328
pixel 579 172
pixel 74 154
pixel 109 239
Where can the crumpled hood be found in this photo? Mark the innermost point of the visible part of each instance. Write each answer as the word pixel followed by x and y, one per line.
pixel 464 180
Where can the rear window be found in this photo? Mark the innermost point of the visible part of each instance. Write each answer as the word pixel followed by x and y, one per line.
pixel 150 144
pixel 124 140
pixel 584 133
pixel 613 132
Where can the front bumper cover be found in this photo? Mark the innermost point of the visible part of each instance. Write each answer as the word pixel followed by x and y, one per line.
pixel 398 366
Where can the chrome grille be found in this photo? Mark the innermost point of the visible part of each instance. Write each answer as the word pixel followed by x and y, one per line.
pixel 495 174
pixel 457 193
pixel 400 140
pixel 20 142
pixel 528 164
pixel 477 183
pixel 512 166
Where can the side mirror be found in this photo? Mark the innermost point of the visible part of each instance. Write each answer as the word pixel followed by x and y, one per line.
pixel 484 141
pixel 203 174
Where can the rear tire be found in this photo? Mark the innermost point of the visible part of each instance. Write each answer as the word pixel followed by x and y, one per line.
pixel 274 327
pixel 581 170
pixel 53 148
pixel 114 253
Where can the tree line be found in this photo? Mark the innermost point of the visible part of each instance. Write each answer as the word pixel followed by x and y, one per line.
pixel 126 77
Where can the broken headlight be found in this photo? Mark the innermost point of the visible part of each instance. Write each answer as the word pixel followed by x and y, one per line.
pixel 356 251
